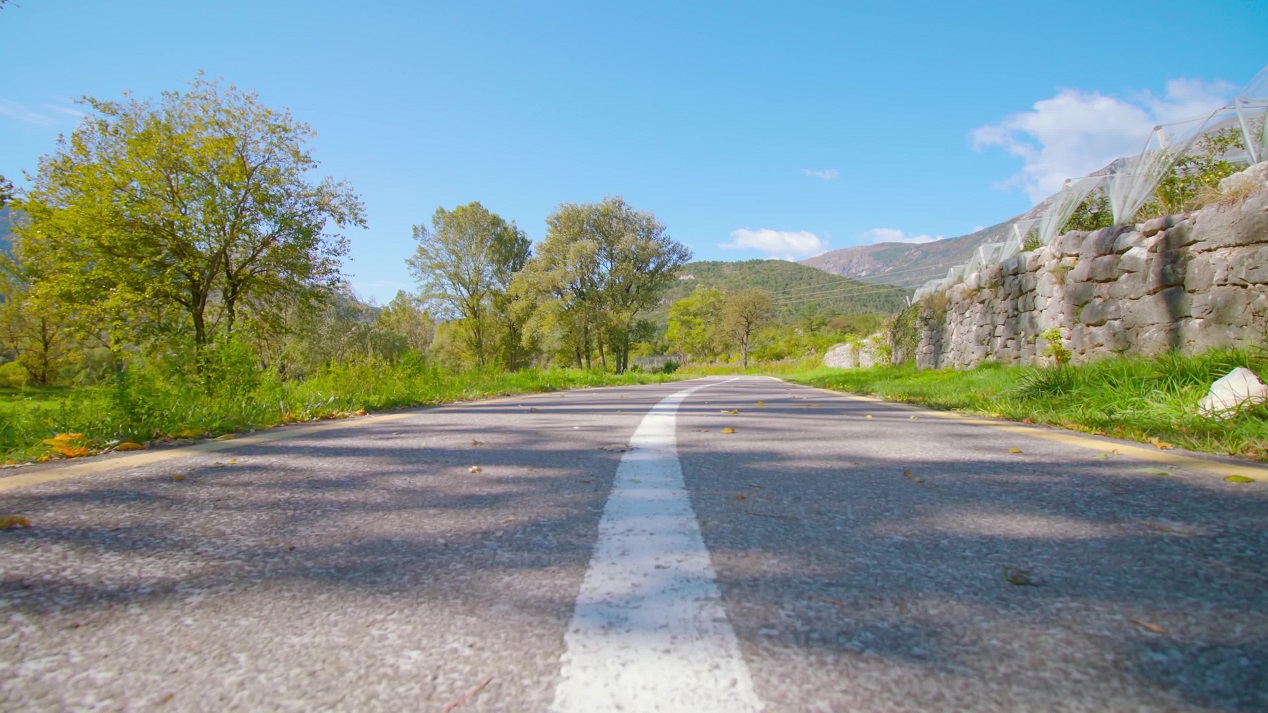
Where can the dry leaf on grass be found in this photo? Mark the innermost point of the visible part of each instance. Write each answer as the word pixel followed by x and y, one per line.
pixel 1161 444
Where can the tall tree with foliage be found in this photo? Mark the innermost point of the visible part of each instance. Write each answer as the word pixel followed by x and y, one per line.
pixel 745 312
pixel 695 324
pixel 600 266
pixel 463 264
pixel 177 212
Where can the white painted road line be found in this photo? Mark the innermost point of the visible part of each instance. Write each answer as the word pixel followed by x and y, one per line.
pixel 649 632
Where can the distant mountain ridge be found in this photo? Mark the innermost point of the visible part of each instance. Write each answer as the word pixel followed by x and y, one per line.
pixel 912 264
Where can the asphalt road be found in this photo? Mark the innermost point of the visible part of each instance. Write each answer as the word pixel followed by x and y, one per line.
pixel 830 553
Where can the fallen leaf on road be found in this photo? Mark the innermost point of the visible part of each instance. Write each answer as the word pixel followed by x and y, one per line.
pixel 914 479
pixel 818 598
pixel 741 496
pixel 178 477
pixel 1014 450
pixel 1148 626
pixel 731 412
pixel 8 522
pixel 474 469
pixel 474 442
pixel 129 446
pixel 225 437
pixel 1019 576
pixel 914 418
pixel 619 448
pixel 728 429
pixel 1160 443
pixel 1101 456
pixel 761 403
pixel 868 416
pixel 1239 479
pixel 1028 420
pixel 1153 471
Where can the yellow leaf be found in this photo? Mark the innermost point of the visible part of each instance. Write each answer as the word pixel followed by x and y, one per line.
pixel 129 446
pixel 8 522
pixel 1160 443
pixel 728 429
pixel 761 403
pixel 473 469
pixel 71 451
pixel 189 432
pixel 868 416
pixel 1148 626
pixel 1014 450
pixel 359 412
pixel 178 477
pixel 1239 479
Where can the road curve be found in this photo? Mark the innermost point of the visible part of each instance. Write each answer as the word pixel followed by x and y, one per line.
pixel 807 551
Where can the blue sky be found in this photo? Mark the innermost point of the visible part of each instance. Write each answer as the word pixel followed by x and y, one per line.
pixel 778 129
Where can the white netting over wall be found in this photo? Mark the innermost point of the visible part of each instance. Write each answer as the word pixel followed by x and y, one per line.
pixel 1074 192
pixel 1132 184
pixel 1135 181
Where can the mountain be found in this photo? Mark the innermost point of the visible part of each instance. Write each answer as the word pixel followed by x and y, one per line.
pixel 911 265
pixel 794 287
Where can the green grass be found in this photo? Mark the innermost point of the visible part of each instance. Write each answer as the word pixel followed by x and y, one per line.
pixel 145 407
pixel 1133 398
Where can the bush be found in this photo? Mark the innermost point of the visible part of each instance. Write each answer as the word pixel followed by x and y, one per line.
pixel 669 367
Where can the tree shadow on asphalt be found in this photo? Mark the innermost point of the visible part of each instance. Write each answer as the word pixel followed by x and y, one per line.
pixel 885 557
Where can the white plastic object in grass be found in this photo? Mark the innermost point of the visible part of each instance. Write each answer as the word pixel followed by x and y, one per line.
pixel 1238 388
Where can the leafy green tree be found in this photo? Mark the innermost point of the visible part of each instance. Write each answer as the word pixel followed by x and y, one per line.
pixel 695 325
pixel 175 213
pixel 6 191
pixel 406 316
pixel 464 264
pixel 745 312
pixel 37 335
pixel 600 266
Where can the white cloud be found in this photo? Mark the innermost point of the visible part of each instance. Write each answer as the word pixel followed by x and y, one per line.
pixel 782 243
pixel 827 174
pixel 894 235
pixel 48 115
pixel 1075 133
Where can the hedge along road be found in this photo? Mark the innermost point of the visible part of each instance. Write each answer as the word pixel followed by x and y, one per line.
pixel 847 555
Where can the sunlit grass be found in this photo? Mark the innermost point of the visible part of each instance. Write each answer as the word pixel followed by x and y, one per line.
pixel 145 408
pixel 1134 398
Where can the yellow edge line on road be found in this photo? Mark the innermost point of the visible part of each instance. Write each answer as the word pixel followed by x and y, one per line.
pixel 1125 448
pixel 13 482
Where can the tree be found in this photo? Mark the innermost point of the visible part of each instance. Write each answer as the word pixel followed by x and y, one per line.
pixel 599 267
pixel 6 191
pixel 463 263
pixel 695 324
pixel 180 211
pixel 37 335
pixel 745 312
pixel 405 315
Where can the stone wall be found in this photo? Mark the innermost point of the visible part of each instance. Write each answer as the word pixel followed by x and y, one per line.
pixel 1186 282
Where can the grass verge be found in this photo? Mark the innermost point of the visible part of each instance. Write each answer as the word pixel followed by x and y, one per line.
pixel 1150 400
pixel 144 408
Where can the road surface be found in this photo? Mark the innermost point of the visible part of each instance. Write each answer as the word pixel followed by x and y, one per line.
pixel 620 549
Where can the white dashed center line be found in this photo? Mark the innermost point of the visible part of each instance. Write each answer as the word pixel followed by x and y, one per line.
pixel 649 632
